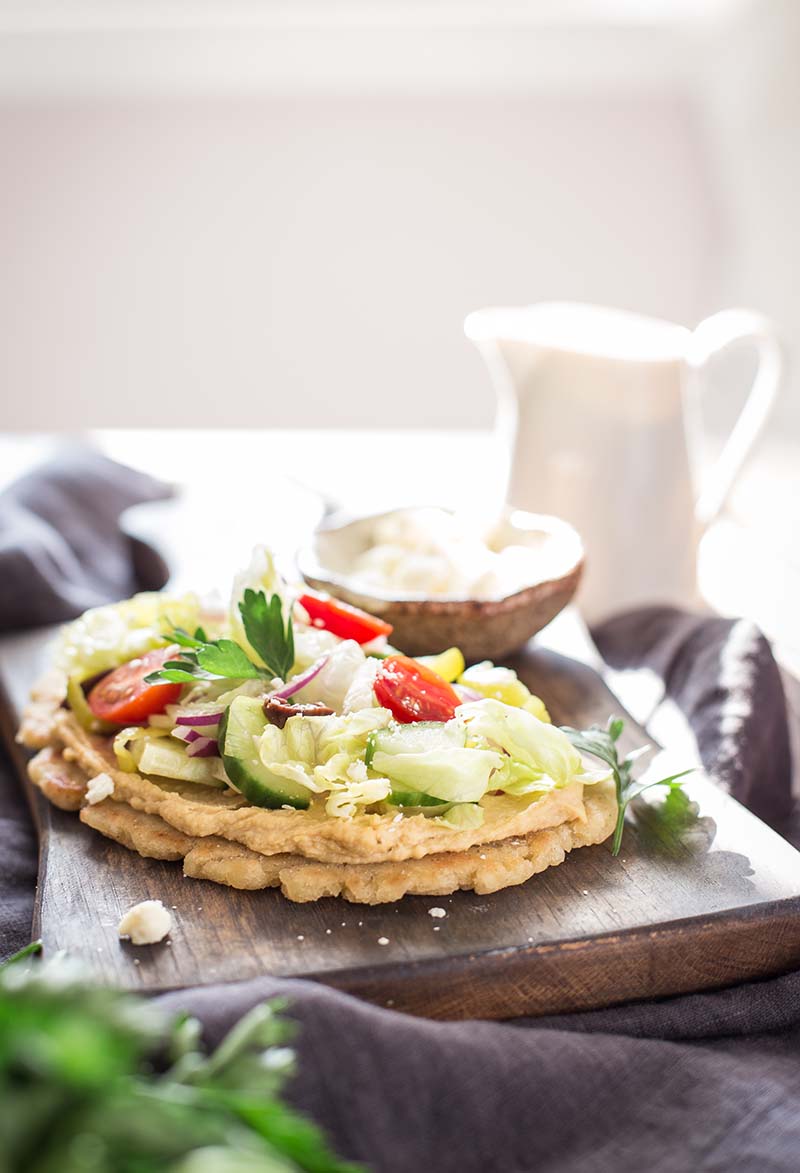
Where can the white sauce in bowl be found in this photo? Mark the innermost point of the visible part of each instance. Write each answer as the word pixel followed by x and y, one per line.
pixel 436 554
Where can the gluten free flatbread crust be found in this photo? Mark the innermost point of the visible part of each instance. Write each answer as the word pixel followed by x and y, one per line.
pixel 481 869
pixel 371 859
pixel 368 838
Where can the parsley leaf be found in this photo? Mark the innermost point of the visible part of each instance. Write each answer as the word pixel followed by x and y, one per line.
pixel 205 659
pixel 602 743
pixel 182 674
pixel 264 628
pixel 673 826
pixel 179 636
pixel 225 658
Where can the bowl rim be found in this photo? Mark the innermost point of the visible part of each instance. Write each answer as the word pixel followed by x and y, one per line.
pixel 311 568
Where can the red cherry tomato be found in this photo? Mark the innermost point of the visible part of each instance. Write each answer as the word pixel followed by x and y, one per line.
pixel 124 698
pixel 413 692
pixel 343 620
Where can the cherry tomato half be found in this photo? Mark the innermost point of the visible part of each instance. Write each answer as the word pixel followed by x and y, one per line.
pixel 343 620
pixel 123 698
pixel 413 692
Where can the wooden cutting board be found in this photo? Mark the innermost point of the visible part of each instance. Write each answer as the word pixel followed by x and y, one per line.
pixel 714 904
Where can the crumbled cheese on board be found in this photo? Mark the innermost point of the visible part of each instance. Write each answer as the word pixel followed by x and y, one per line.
pixel 99 788
pixel 146 923
pixel 437 912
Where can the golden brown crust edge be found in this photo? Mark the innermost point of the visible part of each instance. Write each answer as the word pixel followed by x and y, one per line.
pixel 482 869
pixel 37 727
pixel 368 838
pixel 61 781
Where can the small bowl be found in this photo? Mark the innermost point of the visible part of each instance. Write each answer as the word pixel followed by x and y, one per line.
pixel 484 629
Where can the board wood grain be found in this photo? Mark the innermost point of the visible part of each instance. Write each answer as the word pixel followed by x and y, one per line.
pixel 714 904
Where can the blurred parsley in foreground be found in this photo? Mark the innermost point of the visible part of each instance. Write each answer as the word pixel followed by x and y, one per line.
pixel 94 1080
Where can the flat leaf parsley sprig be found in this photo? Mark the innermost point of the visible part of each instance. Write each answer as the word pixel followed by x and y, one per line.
pixel 602 743
pixel 205 659
pixel 100 1079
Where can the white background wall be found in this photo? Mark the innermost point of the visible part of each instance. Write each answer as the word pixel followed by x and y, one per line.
pixel 269 261
pixel 228 221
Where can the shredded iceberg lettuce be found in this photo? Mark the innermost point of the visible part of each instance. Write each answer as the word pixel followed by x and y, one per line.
pixel 260 575
pixel 361 693
pixel 310 645
pixel 326 754
pixel 280 750
pixel 536 744
pixel 521 780
pixel 108 636
pixel 129 743
pixel 333 682
pixel 348 734
pixel 355 790
pixel 462 816
pixel 540 756
pixel 452 775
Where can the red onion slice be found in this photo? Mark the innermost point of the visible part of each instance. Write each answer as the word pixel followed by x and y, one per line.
pixel 187 717
pixel 192 735
pixel 300 681
pixel 203 747
pixel 468 694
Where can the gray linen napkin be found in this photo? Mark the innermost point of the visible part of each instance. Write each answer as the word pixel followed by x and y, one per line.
pixel 707 1082
pixel 61 547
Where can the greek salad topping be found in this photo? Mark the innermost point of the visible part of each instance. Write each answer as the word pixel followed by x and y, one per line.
pixel 299 701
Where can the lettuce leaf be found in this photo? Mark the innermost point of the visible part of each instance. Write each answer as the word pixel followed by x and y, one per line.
pixel 326 754
pixel 353 789
pixel 462 816
pixel 108 636
pixel 333 682
pixel 529 742
pixel 453 775
pixel 348 734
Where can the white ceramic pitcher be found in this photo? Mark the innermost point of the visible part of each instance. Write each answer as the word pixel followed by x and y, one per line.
pixel 600 413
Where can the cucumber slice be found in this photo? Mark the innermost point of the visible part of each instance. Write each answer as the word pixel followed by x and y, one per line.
pixel 385 652
pixel 244 721
pixel 413 800
pixel 418 737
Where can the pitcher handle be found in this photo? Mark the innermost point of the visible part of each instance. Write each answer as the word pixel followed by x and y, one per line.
pixel 713 335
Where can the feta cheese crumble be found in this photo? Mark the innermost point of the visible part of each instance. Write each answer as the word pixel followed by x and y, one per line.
pixel 99 788
pixel 146 923
pixel 437 912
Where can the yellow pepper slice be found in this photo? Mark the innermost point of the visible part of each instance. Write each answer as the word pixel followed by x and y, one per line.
pixel 503 684
pixel 449 665
pixel 77 702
